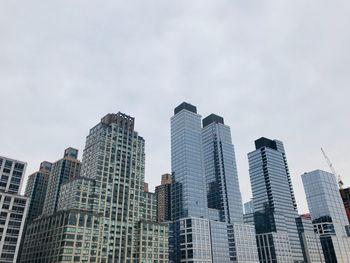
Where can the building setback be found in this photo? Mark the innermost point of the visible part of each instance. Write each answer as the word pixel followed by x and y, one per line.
pixel 13 208
pixel 275 209
pixel 328 215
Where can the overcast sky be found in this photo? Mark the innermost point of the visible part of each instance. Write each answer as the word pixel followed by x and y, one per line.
pixel 278 69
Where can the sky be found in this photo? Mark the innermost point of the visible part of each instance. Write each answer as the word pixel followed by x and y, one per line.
pixel 278 69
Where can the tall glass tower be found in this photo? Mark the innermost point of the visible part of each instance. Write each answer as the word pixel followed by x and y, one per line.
pixel 206 202
pixel 275 209
pixel 188 188
pixel 328 214
pixel 220 170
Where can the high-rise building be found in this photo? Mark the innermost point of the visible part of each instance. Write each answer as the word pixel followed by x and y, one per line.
pixel 207 216
pixel 310 241
pixel 190 229
pixel 224 196
pixel 223 191
pixel 36 190
pixel 189 198
pixel 163 197
pixel 106 205
pixel 13 208
pixel 345 195
pixel 275 209
pixel 62 171
pixel 328 214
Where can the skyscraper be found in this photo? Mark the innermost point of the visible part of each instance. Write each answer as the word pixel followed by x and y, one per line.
pixel 224 195
pixel 114 156
pixel 189 198
pixel 206 202
pixel 190 229
pixel 275 209
pixel 106 206
pixel 163 196
pixel 36 190
pixel 223 191
pixel 62 171
pixel 13 208
pixel 328 214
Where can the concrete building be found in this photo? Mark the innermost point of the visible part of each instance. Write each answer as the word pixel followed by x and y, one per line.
pixel 65 236
pixel 328 215
pixel 62 171
pixel 36 190
pixel 275 208
pixel 13 208
pixel 107 203
pixel 163 197
pixel 153 244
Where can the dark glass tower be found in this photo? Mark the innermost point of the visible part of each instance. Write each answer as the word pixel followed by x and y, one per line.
pixel 220 170
pixel 36 190
pixel 274 203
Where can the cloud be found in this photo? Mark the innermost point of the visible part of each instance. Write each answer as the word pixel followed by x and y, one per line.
pixel 275 69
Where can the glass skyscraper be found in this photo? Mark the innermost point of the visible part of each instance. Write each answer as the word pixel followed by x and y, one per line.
pixel 275 209
pixel 189 198
pixel 205 198
pixel 220 170
pixel 328 214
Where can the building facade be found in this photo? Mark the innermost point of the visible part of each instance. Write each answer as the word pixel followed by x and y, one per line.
pixel 62 171
pixel 310 241
pixel 275 209
pixel 345 195
pixel 13 208
pixel 163 197
pixel 207 214
pixel 328 215
pixel 36 190
pixel 107 204
pixel 189 198
pixel 224 196
pixel 72 235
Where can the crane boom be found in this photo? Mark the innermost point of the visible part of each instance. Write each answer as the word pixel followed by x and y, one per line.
pixel 340 182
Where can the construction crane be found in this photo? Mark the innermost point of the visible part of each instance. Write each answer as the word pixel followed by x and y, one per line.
pixel 340 182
